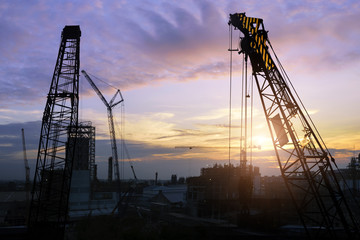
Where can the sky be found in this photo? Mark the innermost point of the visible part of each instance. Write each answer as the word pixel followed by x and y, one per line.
pixel 170 61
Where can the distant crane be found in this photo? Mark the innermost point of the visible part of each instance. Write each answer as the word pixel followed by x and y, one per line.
pixel 27 168
pixel 131 165
pixel 109 106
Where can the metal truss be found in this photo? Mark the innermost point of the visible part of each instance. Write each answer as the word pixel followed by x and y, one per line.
pixel 305 163
pixel 51 187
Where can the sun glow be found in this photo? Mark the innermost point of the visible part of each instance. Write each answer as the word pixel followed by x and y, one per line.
pixel 262 142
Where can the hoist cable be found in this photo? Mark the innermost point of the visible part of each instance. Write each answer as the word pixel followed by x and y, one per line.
pixel 312 123
pixel 245 112
pixel 120 129
pixel 251 118
pixel 308 115
pixel 230 90
pixel 242 106
pixel 103 81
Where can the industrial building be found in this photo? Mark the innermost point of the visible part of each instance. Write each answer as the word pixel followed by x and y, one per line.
pixel 221 190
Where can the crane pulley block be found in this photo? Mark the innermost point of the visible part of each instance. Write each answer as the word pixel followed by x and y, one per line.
pixel 254 40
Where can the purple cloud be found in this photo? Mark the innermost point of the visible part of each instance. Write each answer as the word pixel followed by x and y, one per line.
pixel 132 43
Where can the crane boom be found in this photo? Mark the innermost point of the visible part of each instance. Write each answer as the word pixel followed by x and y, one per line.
pixel 96 89
pixel 27 168
pixel 109 106
pixel 306 165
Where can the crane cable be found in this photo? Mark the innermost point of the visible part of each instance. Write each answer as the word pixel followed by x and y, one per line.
pixel 243 103
pixel 251 118
pixel 124 151
pixel 247 92
pixel 230 90
pixel 302 105
pixel 103 81
pixel 287 79
pixel 121 129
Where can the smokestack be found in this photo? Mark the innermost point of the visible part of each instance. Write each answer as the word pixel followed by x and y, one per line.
pixel 156 178
pixel 173 179
pixel 110 169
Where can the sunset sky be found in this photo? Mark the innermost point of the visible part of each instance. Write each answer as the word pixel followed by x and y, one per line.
pixel 170 61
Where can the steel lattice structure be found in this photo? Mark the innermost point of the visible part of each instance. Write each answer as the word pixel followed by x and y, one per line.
pixel 92 153
pixel 305 163
pixel 85 145
pixel 51 187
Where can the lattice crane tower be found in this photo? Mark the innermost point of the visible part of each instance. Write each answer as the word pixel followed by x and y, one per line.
pixel 306 164
pixel 51 187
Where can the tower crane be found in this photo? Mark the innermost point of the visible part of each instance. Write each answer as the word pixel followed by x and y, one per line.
pixel 306 165
pixel 109 106
pixel 27 168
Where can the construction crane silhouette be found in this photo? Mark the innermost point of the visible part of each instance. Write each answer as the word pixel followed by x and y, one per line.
pixel 27 168
pixel 306 165
pixel 109 106
pixel 130 162
pixel 48 213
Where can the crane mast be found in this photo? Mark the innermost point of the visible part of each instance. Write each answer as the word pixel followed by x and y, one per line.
pixel 109 106
pixel 306 165
pixel 51 187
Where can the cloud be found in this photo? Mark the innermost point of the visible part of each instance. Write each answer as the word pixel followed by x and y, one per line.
pixel 146 155
pixel 324 31
pixel 6 144
pixel 19 115
pixel 114 44
pixel 133 44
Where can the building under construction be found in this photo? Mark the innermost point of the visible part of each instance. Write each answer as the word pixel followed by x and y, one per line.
pixel 84 200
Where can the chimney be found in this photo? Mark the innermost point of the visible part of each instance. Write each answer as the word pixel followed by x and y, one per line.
pixel 156 178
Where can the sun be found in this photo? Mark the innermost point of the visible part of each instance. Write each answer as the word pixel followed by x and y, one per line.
pixel 262 142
